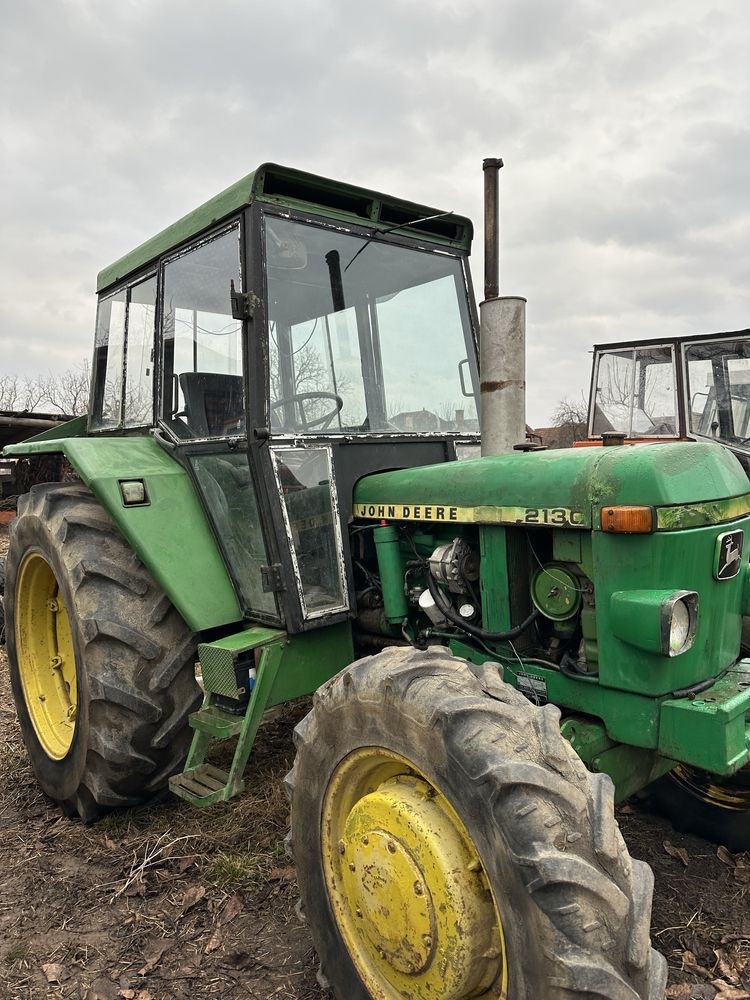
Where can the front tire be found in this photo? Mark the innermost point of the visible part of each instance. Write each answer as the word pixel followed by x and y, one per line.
pixel 101 664
pixel 715 808
pixel 449 842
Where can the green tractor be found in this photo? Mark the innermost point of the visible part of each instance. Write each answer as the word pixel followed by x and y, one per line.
pixel 666 389
pixel 280 476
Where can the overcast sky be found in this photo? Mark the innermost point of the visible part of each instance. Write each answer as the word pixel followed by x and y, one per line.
pixel 625 130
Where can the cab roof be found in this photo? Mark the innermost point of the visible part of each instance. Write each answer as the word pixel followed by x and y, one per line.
pixel 292 188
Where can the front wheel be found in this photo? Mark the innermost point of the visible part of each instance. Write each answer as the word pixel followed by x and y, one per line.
pixel 101 664
pixel 449 843
pixel 716 808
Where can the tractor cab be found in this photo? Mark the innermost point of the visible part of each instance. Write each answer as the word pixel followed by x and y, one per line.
pixel 674 388
pixel 282 341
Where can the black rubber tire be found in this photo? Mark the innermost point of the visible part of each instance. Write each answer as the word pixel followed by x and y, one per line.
pixel 135 657
pixel 2 606
pixel 689 812
pixel 576 909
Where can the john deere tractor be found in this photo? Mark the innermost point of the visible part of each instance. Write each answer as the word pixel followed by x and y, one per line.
pixel 680 389
pixel 281 478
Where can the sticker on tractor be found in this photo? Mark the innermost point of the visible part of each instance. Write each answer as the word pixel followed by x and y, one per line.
pixel 535 688
pixel 728 557
pixel 558 517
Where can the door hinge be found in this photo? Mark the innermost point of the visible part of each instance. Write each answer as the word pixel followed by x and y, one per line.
pixel 272 579
pixel 243 303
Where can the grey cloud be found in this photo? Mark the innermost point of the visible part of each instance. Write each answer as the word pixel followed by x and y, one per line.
pixel 624 200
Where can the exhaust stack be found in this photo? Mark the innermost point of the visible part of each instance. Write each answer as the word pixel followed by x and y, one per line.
pixel 502 339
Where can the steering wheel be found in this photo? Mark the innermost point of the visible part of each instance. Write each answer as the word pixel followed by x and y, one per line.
pixel 299 398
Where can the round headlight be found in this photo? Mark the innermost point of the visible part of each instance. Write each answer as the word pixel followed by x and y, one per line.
pixel 679 628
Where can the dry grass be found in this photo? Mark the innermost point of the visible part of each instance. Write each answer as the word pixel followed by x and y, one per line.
pixel 173 902
pixel 170 900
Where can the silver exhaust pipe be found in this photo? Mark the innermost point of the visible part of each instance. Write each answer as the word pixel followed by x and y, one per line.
pixel 502 339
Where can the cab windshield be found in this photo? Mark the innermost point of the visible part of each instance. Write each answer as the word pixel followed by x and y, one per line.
pixel 635 393
pixel 365 335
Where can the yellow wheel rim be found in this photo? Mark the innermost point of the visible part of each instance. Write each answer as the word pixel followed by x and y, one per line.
pixel 407 887
pixel 46 655
pixel 732 794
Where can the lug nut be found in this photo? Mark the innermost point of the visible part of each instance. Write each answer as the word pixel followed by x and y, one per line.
pixel 427 941
pixel 418 889
pixel 342 847
pixel 352 867
pixel 391 847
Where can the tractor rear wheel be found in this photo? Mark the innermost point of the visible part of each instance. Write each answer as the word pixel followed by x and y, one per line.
pixel 2 607
pixel 449 843
pixel 101 664
pixel 698 802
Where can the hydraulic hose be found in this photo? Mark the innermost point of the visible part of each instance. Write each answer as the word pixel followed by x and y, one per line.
pixel 455 618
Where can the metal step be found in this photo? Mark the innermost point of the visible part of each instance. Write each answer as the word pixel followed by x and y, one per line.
pixel 220 725
pixel 203 785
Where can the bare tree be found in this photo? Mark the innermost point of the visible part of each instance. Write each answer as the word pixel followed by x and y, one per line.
pixel 66 393
pixel 69 392
pixel 570 419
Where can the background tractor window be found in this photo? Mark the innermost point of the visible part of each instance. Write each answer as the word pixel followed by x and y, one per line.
pixel 718 389
pixel 366 335
pixel 635 393
pixel 203 392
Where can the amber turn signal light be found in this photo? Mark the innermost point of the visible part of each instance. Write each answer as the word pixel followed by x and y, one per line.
pixel 628 520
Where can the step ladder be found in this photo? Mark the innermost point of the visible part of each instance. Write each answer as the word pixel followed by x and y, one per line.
pixel 226 664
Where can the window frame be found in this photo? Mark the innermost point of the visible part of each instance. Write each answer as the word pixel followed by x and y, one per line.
pixel 262 372
pixel 634 348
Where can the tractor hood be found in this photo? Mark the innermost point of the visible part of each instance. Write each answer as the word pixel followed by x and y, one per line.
pixel 565 488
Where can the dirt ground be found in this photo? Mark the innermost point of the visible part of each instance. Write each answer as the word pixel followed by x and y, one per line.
pixel 172 902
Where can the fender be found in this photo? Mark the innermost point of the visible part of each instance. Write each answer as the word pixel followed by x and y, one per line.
pixel 180 552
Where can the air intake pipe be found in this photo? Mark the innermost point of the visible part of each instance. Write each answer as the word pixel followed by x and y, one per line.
pixel 502 339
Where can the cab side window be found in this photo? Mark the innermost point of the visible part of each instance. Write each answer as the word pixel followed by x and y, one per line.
pixel 203 394
pixel 123 376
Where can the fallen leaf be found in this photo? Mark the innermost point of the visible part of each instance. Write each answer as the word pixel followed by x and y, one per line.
pixel 111 845
pixel 725 967
pixel 235 906
pixel 192 896
pixel 283 874
pixel 688 991
pixel 154 954
pixel 127 994
pixel 182 864
pixel 677 852
pixel 214 941
pixel 690 963
pixel 137 887
pixel 55 972
pixel 239 960
pixel 726 857
pixel 729 992
pixel 144 995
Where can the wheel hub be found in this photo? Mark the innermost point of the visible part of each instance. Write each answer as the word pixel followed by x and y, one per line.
pixel 408 890
pixel 46 656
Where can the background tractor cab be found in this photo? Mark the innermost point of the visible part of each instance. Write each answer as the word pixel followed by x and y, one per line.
pixel 674 388
pixel 319 333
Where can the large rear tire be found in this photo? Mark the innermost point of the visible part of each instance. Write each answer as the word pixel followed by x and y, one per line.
pixel 101 664
pixel 449 842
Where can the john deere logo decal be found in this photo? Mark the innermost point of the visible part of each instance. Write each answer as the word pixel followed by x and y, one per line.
pixel 728 558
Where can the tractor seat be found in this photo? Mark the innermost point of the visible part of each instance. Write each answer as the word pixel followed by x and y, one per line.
pixel 214 403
